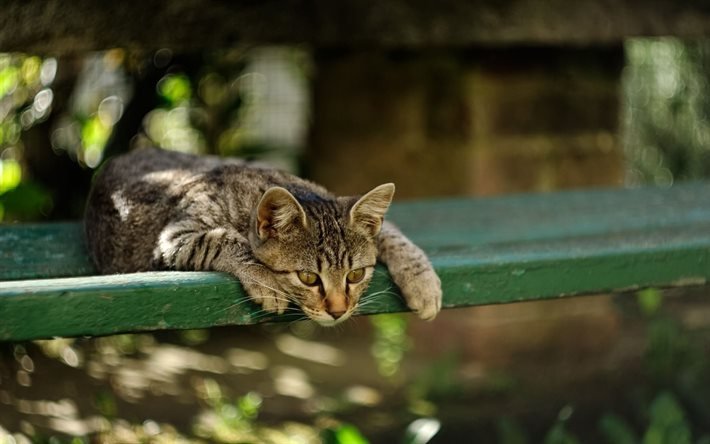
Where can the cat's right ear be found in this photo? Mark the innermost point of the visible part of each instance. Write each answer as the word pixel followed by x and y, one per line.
pixel 277 211
pixel 369 211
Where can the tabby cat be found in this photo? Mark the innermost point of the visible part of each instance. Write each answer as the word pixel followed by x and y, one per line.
pixel 286 239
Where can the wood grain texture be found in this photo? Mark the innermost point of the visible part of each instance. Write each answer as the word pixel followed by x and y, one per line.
pixel 487 251
pixel 55 26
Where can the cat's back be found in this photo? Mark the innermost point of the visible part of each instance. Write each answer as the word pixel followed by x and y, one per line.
pixel 132 198
pixel 157 165
pixel 136 195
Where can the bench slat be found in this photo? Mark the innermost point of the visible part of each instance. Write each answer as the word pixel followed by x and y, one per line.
pixel 31 251
pixel 486 251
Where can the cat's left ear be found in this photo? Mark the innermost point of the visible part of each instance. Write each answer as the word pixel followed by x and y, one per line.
pixel 369 211
pixel 277 211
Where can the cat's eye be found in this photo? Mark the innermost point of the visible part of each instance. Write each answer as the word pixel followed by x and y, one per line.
pixel 356 276
pixel 308 278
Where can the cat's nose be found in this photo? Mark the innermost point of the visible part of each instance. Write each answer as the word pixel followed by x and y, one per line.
pixel 336 305
pixel 336 314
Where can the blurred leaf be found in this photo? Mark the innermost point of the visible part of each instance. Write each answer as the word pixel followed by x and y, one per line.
pixel 106 404
pixel 616 430
pixel 94 133
pixel 666 92
pixel 213 391
pixel 559 435
pixel 649 300
pixel 10 174
pixel 194 337
pixel 391 342
pixel 175 88
pixel 9 77
pixel 27 201
pixel 344 434
pixel 510 432
pixel 669 350
pixel 30 69
pixel 438 379
pixel 249 405
pixel 667 422
pixel 9 132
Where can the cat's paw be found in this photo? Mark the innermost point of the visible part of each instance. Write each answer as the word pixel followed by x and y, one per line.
pixel 423 294
pixel 266 293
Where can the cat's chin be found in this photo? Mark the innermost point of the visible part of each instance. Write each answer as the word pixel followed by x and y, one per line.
pixel 330 322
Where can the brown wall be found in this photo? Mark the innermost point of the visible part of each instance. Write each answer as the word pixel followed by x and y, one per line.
pixel 467 123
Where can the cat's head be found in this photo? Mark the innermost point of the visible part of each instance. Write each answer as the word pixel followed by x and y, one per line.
pixel 321 251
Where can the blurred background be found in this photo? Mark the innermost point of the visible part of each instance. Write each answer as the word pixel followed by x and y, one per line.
pixel 474 119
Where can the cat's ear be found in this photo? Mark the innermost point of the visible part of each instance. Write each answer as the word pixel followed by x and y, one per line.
pixel 277 211
pixel 369 211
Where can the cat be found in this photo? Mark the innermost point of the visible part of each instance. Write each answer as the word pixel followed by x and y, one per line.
pixel 286 239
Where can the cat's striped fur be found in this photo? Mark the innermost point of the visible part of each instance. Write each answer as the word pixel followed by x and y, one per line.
pixel 153 209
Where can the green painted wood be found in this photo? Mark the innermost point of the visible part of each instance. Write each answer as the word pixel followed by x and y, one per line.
pixel 486 251
pixel 43 250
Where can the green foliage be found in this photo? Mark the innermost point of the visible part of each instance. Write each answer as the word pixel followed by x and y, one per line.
pixel 10 130
pixel 175 89
pixel 669 350
pixel 439 379
pixel 667 130
pixel 106 404
pixel 9 78
pixel 194 337
pixel 649 300
pixel 248 406
pixel 10 175
pixel 558 434
pixel 510 432
pixel 229 421
pixel 667 422
pixel 616 430
pixel 343 434
pixel 95 132
pixel 26 201
pixel 391 342
pixel 20 85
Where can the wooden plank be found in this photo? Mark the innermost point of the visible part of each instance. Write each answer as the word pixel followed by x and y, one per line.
pixel 101 305
pixel 486 251
pixel 55 26
pixel 43 250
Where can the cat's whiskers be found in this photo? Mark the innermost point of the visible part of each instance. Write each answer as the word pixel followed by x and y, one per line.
pixel 371 296
pixel 390 289
pixel 286 296
pixel 262 314
pixel 370 299
pixel 236 304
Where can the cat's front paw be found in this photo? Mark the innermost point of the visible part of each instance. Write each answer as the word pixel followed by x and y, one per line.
pixel 423 293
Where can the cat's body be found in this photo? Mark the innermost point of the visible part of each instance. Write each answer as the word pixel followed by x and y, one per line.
pixel 286 239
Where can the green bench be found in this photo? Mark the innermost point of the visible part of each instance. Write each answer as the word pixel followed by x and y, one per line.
pixel 487 251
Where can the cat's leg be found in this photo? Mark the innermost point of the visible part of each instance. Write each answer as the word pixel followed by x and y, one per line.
pixel 189 246
pixel 411 271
